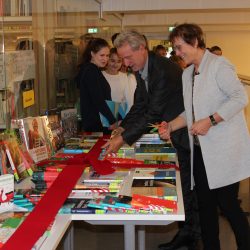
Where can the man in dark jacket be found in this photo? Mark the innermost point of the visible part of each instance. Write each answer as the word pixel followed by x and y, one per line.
pixel 158 97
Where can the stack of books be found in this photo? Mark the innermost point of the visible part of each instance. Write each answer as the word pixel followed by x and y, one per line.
pixel 155 153
pixel 153 182
pixel 153 138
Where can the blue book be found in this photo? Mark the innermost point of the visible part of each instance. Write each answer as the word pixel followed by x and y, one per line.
pixel 123 109
pixel 114 108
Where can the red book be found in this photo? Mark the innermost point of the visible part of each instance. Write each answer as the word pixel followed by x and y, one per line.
pixel 145 201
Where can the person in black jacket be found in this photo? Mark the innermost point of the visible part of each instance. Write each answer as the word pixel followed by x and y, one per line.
pixel 158 97
pixel 94 88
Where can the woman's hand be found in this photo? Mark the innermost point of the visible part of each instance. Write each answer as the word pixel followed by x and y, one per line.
pixel 165 130
pixel 201 127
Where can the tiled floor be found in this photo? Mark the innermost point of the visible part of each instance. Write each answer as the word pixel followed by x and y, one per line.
pixel 88 237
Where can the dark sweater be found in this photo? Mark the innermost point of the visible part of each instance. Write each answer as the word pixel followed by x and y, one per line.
pixel 94 90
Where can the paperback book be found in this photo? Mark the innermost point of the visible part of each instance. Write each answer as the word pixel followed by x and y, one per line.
pixel 81 207
pixel 6 192
pixel 161 188
pixel 69 122
pixel 154 173
pixel 118 110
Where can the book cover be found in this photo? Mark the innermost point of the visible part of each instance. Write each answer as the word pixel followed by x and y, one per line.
pixel 154 182
pixel 153 203
pixel 55 124
pixel 117 176
pixel 155 150
pixel 48 136
pixel 73 149
pixel 33 135
pixel 9 225
pixel 92 137
pixel 10 166
pixel 69 122
pixel 6 192
pixel 3 162
pixel 156 157
pixel 161 188
pixel 81 207
pixel 121 201
pixel 154 173
pixel 17 158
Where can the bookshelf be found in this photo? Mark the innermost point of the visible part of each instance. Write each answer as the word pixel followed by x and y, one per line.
pixel 35 26
pixel 15 29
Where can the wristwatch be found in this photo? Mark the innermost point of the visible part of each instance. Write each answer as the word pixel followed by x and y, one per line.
pixel 212 120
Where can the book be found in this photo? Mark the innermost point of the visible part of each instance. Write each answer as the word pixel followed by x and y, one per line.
pixel 147 161
pixel 155 150
pixel 54 117
pixel 48 136
pixel 33 136
pixel 6 192
pixel 9 225
pixel 117 176
pixel 81 207
pixel 147 182
pixel 161 188
pixel 17 158
pixel 152 203
pixel 147 145
pixel 92 136
pixel 95 185
pixel 154 173
pixel 121 201
pixel 3 160
pixel 74 149
pixel 114 108
pixel 69 122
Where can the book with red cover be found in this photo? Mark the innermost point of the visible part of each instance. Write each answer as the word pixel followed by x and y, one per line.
pixel 141 201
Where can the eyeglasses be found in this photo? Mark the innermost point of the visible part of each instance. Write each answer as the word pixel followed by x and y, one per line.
pixel 178 46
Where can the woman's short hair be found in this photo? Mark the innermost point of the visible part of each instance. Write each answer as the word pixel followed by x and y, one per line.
pixel 189 32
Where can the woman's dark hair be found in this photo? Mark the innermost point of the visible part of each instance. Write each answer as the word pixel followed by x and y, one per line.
pixel 113 51
pixel 189 33
pixel 114 37
pixel 94 45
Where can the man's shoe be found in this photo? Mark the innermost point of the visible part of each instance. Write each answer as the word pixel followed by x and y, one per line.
pixel 177 242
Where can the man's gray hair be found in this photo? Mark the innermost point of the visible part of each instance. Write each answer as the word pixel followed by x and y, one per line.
pixel 131 37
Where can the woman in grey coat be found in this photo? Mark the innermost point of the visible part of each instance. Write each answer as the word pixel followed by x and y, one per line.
pixel 214 100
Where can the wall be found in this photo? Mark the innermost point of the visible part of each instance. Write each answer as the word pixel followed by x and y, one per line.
pixel 247 109
pixel 235 47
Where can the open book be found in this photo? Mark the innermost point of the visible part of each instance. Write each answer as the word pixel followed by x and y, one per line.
pixel 116 108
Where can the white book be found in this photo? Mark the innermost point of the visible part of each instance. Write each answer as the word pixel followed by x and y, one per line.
pixel 6 192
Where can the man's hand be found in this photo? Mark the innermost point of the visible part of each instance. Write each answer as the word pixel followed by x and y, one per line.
pixel 113 126
pixel 165 130
pixel 117 131
pixel 113 144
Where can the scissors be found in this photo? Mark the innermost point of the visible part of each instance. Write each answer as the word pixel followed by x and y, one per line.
pixel 154 127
